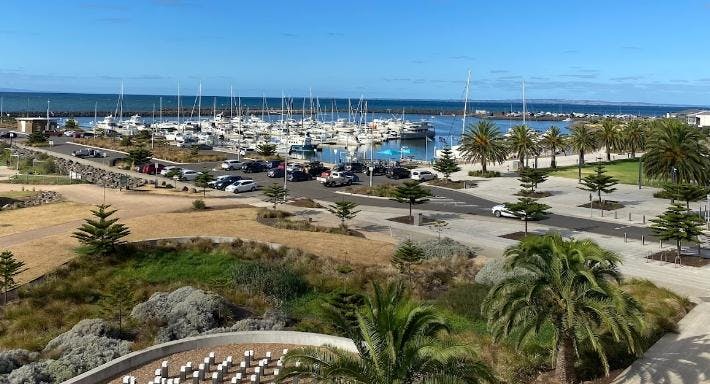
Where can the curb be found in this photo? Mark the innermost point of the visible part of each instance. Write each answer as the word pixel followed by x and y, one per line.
pixel 361 195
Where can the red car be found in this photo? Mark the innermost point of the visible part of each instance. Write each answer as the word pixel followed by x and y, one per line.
pixel 150 168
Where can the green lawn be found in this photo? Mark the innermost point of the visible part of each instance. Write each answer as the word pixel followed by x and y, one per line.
pixel 627 171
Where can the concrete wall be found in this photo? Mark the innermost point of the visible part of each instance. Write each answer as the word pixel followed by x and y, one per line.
pixel 138 359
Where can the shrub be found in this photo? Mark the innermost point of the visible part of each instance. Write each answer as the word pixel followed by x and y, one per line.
pixel 265 213
pixel 486 174
pixel 276 281
pixel 198 204
pixel 493 273
pixel 445 247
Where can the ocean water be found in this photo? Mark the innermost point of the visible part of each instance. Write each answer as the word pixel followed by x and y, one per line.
pixel 447 128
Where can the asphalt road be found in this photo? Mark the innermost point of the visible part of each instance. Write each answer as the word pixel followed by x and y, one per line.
pixel 445 200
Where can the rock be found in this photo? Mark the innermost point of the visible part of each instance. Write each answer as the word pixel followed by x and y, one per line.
pixel 86 346
pixel 274 321
pixel 185 312
pixel 15 358
pixel 33 373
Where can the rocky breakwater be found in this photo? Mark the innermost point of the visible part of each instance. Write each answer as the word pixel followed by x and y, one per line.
pixel 43 197
pixel 86 172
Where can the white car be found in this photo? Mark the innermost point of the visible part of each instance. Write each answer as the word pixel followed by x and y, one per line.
pixel 168 169
pixel 501 210
pixel 229 165
pixel 422 175
pixel 186 175
pixel 242 186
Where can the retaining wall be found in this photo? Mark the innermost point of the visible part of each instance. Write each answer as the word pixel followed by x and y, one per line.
pixel 127 363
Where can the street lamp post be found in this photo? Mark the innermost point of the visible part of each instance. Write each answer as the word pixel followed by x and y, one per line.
pixel 601 203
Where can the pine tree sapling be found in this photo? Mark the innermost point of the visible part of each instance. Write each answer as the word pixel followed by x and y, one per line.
pixel 202 180
pixel 685 192
pixel 411 193
pixel 407 255
pixel 677 224
pixel 276 194
pixel 530 178
pixel 101 236
pixel 116 305
pixel 138 156
pixel 343 210
pixel 527 208
pixel 9 268
pixel 266 149
pixel 599 182
pixel 446 163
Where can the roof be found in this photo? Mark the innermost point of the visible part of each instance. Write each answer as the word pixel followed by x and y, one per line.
pixel 36 119
pixel 700 113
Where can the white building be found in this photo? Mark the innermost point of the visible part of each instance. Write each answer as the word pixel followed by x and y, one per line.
pixel 699 119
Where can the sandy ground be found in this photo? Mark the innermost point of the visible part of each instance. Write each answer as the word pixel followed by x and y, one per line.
pixel 41 236
pixel 196 356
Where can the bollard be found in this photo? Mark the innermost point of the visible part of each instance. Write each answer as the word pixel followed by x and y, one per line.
pixel 625 238
pixel 196 377
pixel 183 373
pixel 643 240
pixel 616 216
pixel 661 242
pixel 164 369
pixel 629 216
pixel 644 219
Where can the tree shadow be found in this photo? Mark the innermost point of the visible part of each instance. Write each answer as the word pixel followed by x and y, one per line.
pixel 673 359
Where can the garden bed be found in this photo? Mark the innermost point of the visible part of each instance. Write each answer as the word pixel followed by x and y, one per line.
pixel 515 235
pixel 410 220
pixel 669 256
pixel 458 184
pixel 607 205
pixel 305 203
pixel 382 190
pixel 280 220
pixel 534 195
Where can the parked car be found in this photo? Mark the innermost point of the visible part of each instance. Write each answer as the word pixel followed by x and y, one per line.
pixel 84 153
pixel 229 165
pixel 212 183
pixel 334 179
pixel 169 168
pixel 355 167
pixel 8 135
pixel 422 175
pixel 378 170
pixel 227 181
pixel 275 172
pixel 186 175
pixel 315 168
pixel 242 186
pixel 268 164
pixel 150 168
pixel 398 173
pixel 254 167
pixel 352 176
pixel 298 176
pixel 70 133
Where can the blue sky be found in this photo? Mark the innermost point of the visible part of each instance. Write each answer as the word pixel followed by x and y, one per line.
pixel 623 50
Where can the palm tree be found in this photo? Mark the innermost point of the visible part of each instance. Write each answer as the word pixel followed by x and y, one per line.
pixel 553 140
pixel 674 147
pixel 570 286
pixel 483 142
pixel 399 344
pixel 522 143
pixel 609 135
pixel 583 139
pixel 634 137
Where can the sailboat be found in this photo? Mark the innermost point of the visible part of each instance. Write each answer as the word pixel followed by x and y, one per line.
pixel 455 149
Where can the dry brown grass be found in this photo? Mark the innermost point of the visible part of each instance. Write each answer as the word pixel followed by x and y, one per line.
pixel 25 219
pixel 43 255
pixel 241 222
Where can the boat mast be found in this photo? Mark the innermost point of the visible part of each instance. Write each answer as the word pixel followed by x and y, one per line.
pixel 178 105
pixel 199 106
pixel 524 111
pixel 96 107
pixel 465 103
pixel 121 104
pixel 160 110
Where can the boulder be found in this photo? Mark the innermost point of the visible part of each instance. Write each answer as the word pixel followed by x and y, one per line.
pixel 33 373
pixel 86 346
pixel 15 358
pixel 185 312
pixel 272 321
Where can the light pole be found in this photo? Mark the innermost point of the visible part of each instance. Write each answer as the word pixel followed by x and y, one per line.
pixel 601 204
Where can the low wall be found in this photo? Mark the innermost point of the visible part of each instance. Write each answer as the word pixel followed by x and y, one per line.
pixel 123 364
